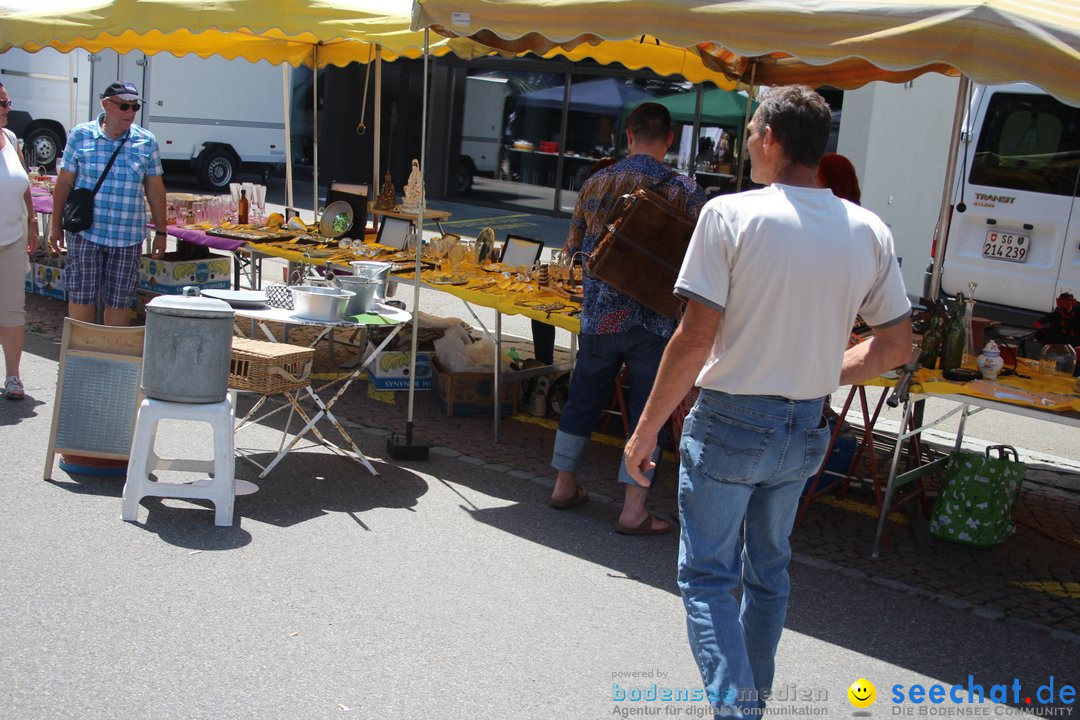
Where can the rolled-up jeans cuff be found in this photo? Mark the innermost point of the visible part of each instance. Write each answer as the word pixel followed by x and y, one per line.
pixel 624 474
pixel 569 452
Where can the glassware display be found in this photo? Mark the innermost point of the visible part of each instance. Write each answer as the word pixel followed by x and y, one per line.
pixel 934 337
pixel 1057 358
pixel 952 354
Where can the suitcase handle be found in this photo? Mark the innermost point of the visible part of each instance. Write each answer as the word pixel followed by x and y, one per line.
pixel 1003 452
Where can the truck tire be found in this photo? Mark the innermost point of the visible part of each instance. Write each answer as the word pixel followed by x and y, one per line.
pixel 46 146
pixel 218 169
pixel 465 172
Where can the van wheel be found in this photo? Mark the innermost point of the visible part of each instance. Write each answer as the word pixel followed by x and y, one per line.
pixel 464 179
pixel 45 145
pixel 218 169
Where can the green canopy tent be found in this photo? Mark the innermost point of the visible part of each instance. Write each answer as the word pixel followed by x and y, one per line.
pixel 718 107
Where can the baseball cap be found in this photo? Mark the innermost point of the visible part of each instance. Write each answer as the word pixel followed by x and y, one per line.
pixel 121 90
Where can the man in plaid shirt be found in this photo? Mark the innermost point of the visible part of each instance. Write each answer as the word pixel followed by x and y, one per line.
pixel 103 260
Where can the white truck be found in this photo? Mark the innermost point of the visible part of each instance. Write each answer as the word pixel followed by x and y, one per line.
pixel 481 128
pixel 1015 224
pixel 211 116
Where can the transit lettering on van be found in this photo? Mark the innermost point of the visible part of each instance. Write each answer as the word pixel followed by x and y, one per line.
pixel 1014 229
pixel 989 200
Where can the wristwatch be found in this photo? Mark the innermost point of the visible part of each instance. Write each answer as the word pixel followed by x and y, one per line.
pixel 160 232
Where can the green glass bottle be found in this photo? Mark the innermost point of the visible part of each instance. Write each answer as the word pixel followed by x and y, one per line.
pixel 934 337
pixel 952 353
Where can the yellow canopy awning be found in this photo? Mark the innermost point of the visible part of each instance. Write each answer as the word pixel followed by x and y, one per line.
pixel 320 33
pixel 845 43
pixel 335 33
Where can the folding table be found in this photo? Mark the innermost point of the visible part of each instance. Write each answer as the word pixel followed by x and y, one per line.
pixel 384 315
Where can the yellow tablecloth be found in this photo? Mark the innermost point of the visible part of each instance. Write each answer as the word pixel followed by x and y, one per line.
pixel 506 301
pixel 1055 392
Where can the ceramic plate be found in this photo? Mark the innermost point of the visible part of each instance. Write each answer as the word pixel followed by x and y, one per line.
pixel 238 298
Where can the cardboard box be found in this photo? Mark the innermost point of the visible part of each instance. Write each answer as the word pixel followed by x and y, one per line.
pixel 171 274
pixel 49 279
pixel 390 370
pixel 469 394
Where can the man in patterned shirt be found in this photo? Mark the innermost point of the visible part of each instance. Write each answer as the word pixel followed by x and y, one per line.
pixel 616 329
pixel 103 260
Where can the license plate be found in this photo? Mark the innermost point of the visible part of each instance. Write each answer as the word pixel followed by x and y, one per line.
pixel 1007 246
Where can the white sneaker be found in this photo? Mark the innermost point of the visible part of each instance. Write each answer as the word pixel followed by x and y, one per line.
pixel 13 388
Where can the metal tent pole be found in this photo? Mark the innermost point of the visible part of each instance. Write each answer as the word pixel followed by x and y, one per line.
pixel 941 229
pixel 286 94
pixel 408 450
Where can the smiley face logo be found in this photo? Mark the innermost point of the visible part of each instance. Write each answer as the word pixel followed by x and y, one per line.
pixel 862 693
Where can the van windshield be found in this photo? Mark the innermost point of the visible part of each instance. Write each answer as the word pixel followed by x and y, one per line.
pixel 1028 142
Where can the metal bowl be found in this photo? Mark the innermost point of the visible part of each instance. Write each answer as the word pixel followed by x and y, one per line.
pixel 333 211
pixel 326 304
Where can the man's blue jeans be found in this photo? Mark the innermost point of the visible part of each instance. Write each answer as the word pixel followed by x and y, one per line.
pixel 599 360
pixel 744 461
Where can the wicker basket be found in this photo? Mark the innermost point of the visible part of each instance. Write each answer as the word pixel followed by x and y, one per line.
pixel 266 367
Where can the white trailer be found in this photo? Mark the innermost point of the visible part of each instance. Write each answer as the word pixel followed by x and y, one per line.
pixel 211 116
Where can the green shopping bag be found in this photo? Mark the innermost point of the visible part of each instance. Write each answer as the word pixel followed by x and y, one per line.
pixel 976 503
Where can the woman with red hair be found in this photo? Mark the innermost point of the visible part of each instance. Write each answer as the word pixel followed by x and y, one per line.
pixel 838 174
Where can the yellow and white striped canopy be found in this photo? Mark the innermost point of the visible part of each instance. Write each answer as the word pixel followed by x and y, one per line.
pixel 845 43
pixel 316 32
pixel 297 32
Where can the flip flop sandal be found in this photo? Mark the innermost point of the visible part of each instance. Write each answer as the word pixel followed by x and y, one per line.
pixel 645 527
pixel 580 495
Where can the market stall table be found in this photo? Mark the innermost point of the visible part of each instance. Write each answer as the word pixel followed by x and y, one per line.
pixel 1053 399
pixel 383 316
pixel 482 286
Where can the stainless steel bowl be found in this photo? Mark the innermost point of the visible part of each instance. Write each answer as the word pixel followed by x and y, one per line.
pixel 327 304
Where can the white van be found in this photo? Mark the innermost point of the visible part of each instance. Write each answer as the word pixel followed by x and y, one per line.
pixel 1015 225
pixel 211 116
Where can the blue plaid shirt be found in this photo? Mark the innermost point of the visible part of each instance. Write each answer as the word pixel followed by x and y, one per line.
pixel 606 310
pixel 119 207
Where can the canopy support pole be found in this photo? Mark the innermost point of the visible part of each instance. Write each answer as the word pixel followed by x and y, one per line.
pixel 409 451
pixel 315 132
pixel 941 229
pixel 373 189
pixel 286 96
pixel 743 154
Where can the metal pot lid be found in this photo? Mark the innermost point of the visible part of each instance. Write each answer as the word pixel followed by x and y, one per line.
pixel 189 306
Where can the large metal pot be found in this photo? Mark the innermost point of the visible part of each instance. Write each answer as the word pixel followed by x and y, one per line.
pixel 187 348
pixel 327 304
pixel 377 271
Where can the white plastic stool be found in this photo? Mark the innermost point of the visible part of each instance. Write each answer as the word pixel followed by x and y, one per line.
pixel 219 489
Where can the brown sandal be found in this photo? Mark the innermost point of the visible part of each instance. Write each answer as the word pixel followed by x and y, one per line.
pixel 580 495
pixel 645 527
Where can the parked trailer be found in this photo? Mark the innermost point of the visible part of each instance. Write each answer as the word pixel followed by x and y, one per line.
pixel 213 117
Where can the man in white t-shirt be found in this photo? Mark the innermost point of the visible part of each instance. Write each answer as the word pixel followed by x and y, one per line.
pixel 773 280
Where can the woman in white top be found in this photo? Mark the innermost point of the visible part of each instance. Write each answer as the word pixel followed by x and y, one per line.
pixel 18 236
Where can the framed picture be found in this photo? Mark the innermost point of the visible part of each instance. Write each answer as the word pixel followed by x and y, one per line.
pixel 520 250
pixel 394 232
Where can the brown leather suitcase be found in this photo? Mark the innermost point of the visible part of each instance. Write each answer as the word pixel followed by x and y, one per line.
pixel 642 249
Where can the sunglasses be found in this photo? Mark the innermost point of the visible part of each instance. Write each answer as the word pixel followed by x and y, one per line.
pixel 124 107
pixel 6 103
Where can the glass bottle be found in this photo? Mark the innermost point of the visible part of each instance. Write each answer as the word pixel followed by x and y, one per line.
pixel 242 206
pixel 934 337
pixel 952 353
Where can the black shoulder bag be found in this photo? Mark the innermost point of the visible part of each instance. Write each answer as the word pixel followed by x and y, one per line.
pixel 78 212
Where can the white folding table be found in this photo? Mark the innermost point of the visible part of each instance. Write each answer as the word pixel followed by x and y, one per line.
pixel 384 315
